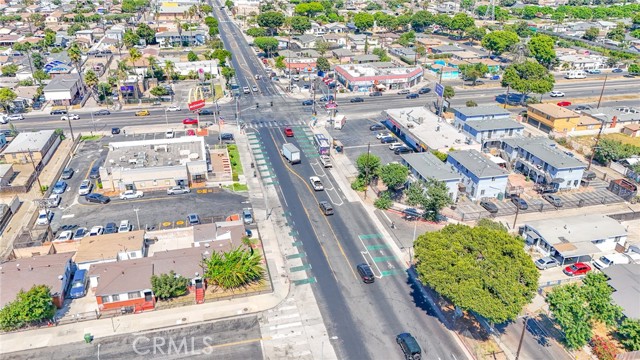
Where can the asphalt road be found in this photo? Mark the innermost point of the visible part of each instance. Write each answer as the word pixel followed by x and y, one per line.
pixel 238 338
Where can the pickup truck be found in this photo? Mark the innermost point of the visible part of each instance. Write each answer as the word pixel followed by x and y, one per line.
pixel 325 160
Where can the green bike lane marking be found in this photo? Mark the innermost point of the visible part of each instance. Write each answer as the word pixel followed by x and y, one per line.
pixel 296 256
pixel 300 268
pixel 311 280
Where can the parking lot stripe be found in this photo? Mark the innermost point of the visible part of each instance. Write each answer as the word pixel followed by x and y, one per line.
pixel 296 256
pixel 377 247
pixel 370 236
pixel 384 258
pixel 300 268
pixel 311 280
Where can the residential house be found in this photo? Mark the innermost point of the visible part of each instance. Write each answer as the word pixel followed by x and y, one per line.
pixel 172 11
pixel 583 62
pixel 64 90
pixel 343 55
pixel 358 41
pixel 551 117
pixel 85 36
pixel 115 33
pixel 54 271
pixel 481 177
pixel 468 114
pixel 624 279
pixel 575 238
pixel 306 41
pixel 184 37
pixel 110 248
pixel 54 17
pixel 631 130
pixel 448 7
pixel 465 55
pixel 246 7
pixel 365 59
pixel 425 165
pixel 489 130
pixel 6 174
pixel 446 49
pixel 615 116
pixel 441 70
pixel 335 40
pixel 35 147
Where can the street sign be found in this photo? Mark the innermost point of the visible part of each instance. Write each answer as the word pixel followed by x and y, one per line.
pixel 195 105
pixel 439 89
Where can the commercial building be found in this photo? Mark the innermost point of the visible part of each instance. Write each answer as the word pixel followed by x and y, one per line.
pixel 481 177
pixel 155 164
pixel 32 147
pixel 551 117
pixel 475 113
pixel 110 248
pixel 575 238
pixel 377 76
pixel 425 165
pixel 64 90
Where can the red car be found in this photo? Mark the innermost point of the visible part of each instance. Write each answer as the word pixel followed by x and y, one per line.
pixel 288 132
pixel 564 103
pixel 191 132
pixel 190 121
pixel 577 269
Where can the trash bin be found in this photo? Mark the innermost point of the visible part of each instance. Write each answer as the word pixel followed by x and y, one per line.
pixel 88 338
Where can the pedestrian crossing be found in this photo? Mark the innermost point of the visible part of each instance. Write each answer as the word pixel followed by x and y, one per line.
pixel 257 124
pixel 284 325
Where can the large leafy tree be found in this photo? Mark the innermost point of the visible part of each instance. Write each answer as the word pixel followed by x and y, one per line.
pixel 363 21
pixel 460 22
pixel 436 198
pixel 617 33
pixel 166 286
pixel 147 33
pixel 266 44
pixel 256 32
pixel 9 70
pixel 234 269
pixel 271 20
pixel 500 41
pixel 31 306
pixel 421 19
pixel 323 64
pixel 528 77
pixel 368 166
pixel 629 332
pixel 473 71
pixel 541 48
pixel 591 34
pixel 130 38
pixel 393 175
pixel 479 269
pixel 228 73
pixel 300 23
pixel 309 9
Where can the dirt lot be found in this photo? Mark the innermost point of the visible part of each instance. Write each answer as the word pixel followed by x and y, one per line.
pixel 625 139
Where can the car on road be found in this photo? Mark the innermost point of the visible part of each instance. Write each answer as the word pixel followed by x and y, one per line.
pixel 424 90
pixel 189 121
pixel 179 189
pixel 376 127
pixel 44 217
pixel 546 262
pixel 326 98
pixel 125 226
pixel 173 108
pixel 14 117
pixel 412 96
pixel 102 112
pixel 326 208
pixel 97 198
pixel 247 216
pixel 356 100
pixel 375 93
pixel 404 92
pixel 288 132
pixel 85 187
pixel 246 90
pixel 366 274
pixel 80 233
pixel 110 228
pixel 70 117
pixel 316 183
pixel 254 88
pixel 142 113
pixel 67 173
pixel 630 76
pixel 206 112
pixel 402 150
pixel 519 203
pixel 131 194
pixel 553 199
pixel 489 206
pixel 59 187
pixel 115 131
pixel 225 137
pixel 169 134
pixel 395 145
pixel 258 77
pixel 594 71
pixel 564 103
pixel 617 71
pixel 64 236
pixel 193 219
pixel 58 112
pixel 382 134
pixel 95 172
pixel 556 94
pixel 582 107
pixel 409 346
pixel 307 102
pixel 96 230
pixel 577 269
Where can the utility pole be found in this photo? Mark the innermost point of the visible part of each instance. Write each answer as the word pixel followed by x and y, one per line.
pixel 602 91
pixel 516 218
pixel 34 169
pixel 524 328
pixel 595 145
pixel 73 138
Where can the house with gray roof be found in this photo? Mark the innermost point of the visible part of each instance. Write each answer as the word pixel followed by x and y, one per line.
pixel 474 113
pixel 365 58
pixel 306 41
pixel 487 130
pixel 425 165
pixel 625 281
pixel 614 116
pixel 64 90
pixel 481 177
pixel 175 38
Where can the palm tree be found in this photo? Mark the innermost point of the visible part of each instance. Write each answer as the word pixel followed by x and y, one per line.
pixel 153 64
pixel 122 70
pixel 134 56
pixel 169 68
pixel 233 269
pixel 91 79
pixel 75 55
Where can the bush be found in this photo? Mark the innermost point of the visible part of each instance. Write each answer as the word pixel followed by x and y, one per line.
pixel 384 201
pixel 235 177
pixel 603 348
pixel 440 155
pixel 471 103
pixel 358 184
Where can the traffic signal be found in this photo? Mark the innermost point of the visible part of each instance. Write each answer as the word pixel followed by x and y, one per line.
pixel 272 103
pixel 257 105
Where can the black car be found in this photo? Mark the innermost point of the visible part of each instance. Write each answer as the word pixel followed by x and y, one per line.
pixel 92 52
pixel 307 103
pixel 489 206
pixel 225 136
pixel 327 98
pixel 375 93
pixel 402 150
pixel 356 100
pixel 67 174
pixel 97 198
pixel 95 172
pixel 387 139
pixel 519 203
pixel 115 131
pixel 409 346
pixel 365 272
pixel 58 112
pixel 102 112
pixel 376 127
pixel 424 90
pixel 110 228
pixel 206 112
pixel 413 96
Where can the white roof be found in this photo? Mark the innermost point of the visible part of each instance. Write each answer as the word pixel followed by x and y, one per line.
pixel 576 229
pixel 29 141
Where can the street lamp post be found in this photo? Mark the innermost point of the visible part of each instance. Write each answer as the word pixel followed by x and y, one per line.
pixel 524 328
pixel 73 138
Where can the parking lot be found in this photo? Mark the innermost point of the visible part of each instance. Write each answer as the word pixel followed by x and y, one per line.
pixel 155 209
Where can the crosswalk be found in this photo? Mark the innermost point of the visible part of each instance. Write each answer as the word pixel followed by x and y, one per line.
pixel 257 124
pixel 284 326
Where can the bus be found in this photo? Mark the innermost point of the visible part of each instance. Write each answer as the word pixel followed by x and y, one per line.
pixel 322 144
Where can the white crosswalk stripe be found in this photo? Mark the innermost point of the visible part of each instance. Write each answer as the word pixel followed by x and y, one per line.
pixel 274 124
pixel 284 325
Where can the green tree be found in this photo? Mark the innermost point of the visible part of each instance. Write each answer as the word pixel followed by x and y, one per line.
pixel 266 44
pixel 394 175
pixel 528 77
pixel 436 198
pixel 271 20
pixel 472 72
pixel 629 333
pixel 31 306
pixel 322 47
pixel 169 69
pixel 145 32
pixel 91 80
pixel 541 48
pixel 192 56
pixel 130 38
pixel 9 70
pixel 471 103
pixel 323 64
pixel 476 33
pixel 597 292
pixel 449 92
pixel 383 201
pixel 440 155
pixel 634 69
pixel 617 33
pixel 591 34
pixel 40 76
pixel 382 54
pixel 229 4
pixel 609 150
pixel 300 23
pixel 309 9
pixel 421 19
pixel 415 194
pixel 568 309
pixel 479 269
pixel 280 65
pixel 407 38
pixel 460 22
pixel 256 32
pixel 222 55
pixel 467 4
pixel 368 166
pixel 228 73
pixel 488 223
pixel 234 269
pixel 500 41
pixel 158 91
pixel 167 286
pixel 38 61
pixel 363 21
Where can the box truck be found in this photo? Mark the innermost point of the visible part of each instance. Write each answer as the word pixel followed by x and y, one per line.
pixel 291 153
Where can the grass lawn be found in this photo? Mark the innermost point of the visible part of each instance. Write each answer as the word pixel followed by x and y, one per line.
pixel 237 187
pixel 234 158
pixel 90 137
pixel 219 91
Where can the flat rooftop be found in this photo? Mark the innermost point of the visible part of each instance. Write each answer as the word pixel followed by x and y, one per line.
pixel 576 229
pixel 103 247
pixel 554 110
pixel 156 152
pixel 426 127
pixel 429 166
pixel 365 70
pixel 493 124
pixel 25 141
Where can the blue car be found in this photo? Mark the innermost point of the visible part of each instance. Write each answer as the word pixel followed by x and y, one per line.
pixel 413 96
pixel 617 71
pixel 307 102
pixel 59 187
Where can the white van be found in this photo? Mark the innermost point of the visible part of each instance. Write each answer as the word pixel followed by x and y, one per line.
pixel 576 74
pixel 610 259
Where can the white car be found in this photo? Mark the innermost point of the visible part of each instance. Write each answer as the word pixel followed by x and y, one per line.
pixel 395 145
pixel 70 117
pixel 246 90
pixel 169 134
pixel 64 236
pixel 131 194
pixel 96 230
pixel 15 117
pixel 125 226
pixel 556 94
pixel 254 88
pixel 54 200
pixel 316 183
pixel 383 134
pixel 85 187
pixel 174 108
pixel 44 217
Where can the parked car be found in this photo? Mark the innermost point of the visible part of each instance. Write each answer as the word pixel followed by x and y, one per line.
pixel 70 117
pixel 610 259
pixel 173 108
pixel 413 96
pixel 115 131
pixel 110 228
pixel 67 173
pixel 366 274
pixel 424 90
pixel 80 233
pixel 307 102
pixel 404 92
pixel 553 199
pixel 246 90
pixel 582 107
pixel 519 203
pixel 577 269
pixel 254 88
pixel 288 132
pixel 59 187
pixel 247 216
pixel 64 236
pixel 44 217
pixel 96 230
pixel 327 98
pixel 95 172
pixel 382 134
pixel 79 284
pixel 564 103
pixel 131 194
pixel 409 346
pixel 395 145
pixel 402 150
pixel 53 201
pixel 189 121
pixel 387 139
pixel 179 189
pixel 357 100
pixel 97 198
pixel 85 187
pixel 375 93
pixel 142 113
pixel 206 112
pixel 556 94
pixel 316 184
pixel 489 206
pixel 225 136
pixel 594 71
pixel 546 263
pixel 376 127
pixel 125 226
pixel 102 112
pixel 193 219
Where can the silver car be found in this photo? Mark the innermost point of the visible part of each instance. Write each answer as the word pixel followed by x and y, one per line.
pixel 554 200
pixel 85 187
pixel 546 263
pixel 175 190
